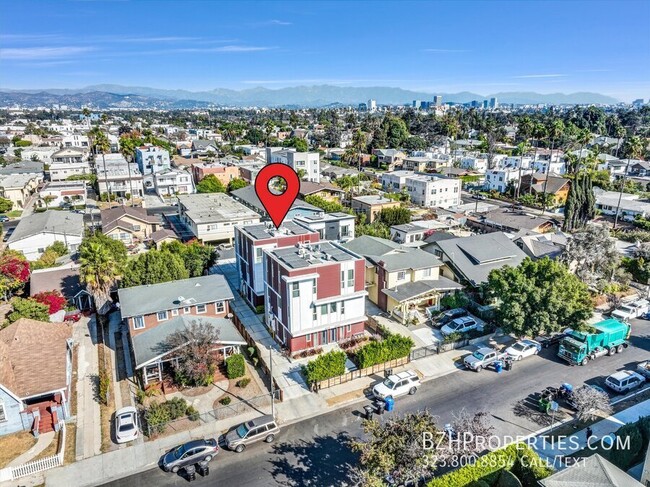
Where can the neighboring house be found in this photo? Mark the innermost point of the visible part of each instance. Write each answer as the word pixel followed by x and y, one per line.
pixel 593 471
pixel 434 191
pixel 371 205
pixel 544 166
pixel 395 181
pixel 248 197
pixel 425 163
pixel 69 162
pixel 330 226
pixel 64 279
pixel 211 217
pixel 640 168
pixel 327 191
pixel 75 140
pixel 19 187
pixel 61 193
pixel 128 224
pixel 391 157
pixel 222 172
pixel 501 179
pixel 401 280
pixel 511 220
pixel 35 232
pixel 538 246
pixel 630 205
pixel 173 181
pixel 314 295
pixel 154 312
pixel 152 159
pixel 35 376
pixel 204 148
pixel 479 164
pixel 120 179
pixel 555 185
pixel 309 162
pixel 250 243
pixel 470 259
pixel 409 234
pixel 164 235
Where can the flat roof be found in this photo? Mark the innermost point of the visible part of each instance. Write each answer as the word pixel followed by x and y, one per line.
pixel 211 207
pixel 263 231
pixel 311 255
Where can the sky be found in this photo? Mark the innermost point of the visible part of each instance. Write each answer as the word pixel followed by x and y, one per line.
pixel 439 47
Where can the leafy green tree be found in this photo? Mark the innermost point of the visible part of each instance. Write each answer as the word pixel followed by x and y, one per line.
pixel 236 183
pixel 5 205
pixel 210 184
pixel 398 215
pixel 297 143
pixel 323 204
pixel 28 308
pixel 194 346
pixel 154 267
pixel 580 205
pixel 538 297
pixel 197 257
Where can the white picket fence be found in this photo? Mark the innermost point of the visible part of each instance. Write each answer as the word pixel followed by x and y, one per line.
pixel 36 466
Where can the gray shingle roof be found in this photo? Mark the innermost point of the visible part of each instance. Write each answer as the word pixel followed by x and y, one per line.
pixel 152 343
pixel 474 257
pixel 366 245
pixel 412 289
pixel 51 221
pixel 593 471
pixel 144 300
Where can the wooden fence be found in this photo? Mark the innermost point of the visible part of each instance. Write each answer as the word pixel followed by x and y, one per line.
pixel 356 374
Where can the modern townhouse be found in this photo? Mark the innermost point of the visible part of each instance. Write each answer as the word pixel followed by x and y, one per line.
pixel 154 312
pixel 120 179
pixel 309 162
pixel 330 226
pixel 250 243
pixel 212 217
pixel 314 294
pixel 152 159
pixel 401 280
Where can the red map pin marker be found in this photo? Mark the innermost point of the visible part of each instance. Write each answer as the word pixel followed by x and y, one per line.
pixel 277 205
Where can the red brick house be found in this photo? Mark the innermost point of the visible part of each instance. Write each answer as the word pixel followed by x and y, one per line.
pixel 314 294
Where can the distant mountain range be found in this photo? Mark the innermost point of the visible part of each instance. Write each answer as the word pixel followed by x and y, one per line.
pixel 117 96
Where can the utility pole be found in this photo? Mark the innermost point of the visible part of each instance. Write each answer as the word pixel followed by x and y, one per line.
pixel 620 193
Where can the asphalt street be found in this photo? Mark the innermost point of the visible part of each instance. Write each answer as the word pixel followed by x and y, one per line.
pixel 314 452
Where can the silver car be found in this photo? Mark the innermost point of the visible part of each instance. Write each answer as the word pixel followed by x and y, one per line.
pixel 263 428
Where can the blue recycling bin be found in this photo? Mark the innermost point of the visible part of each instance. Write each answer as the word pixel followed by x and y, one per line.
pixel 390 403
pixel 498 366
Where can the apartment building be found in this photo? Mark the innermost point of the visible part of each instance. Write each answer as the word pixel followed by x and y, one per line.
pixel 212 217
pixel 68 162
pixel 152 159
pixel 120 179
pixel 395 181
pixel 222 172
pixel 314 294
pixel 172 181
pixel 371 205
pixel 433 191
pixel 309 162
pixel 499 179
pixel 250 243
pixel 330 226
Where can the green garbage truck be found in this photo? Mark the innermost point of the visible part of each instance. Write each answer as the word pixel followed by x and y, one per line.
pixel 609 337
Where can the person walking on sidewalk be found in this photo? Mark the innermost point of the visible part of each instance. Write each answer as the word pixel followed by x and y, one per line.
pixel 590 433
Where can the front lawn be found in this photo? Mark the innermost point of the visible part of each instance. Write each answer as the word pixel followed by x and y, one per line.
pixel 13 445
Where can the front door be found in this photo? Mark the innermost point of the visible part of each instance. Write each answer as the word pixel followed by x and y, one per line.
pixel 333 335
pixel 323 337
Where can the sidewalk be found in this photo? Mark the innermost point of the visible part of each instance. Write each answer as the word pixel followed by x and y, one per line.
pixel 601 429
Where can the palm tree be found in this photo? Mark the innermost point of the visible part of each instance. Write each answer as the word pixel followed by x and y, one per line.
pixel 128 152
pixel 99 271
pixel 522 149
pixel 634 149
pixel 359 144
pixel 555 131
pixel 99 143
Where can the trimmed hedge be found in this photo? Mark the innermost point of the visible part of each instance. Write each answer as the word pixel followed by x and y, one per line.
pixel 326 366
pixel 235 366
pixel 518 458
pixel 639 437
pixel 392 347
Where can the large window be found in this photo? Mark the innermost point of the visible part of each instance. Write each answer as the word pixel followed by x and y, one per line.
pixel 350 277
pixel 201 308
pixel 323 310
pixel 342 308
pixel 401 275
pixel 295 290
pixel 333 307
pixel 258 255
pixel 162 315
pixel 138 322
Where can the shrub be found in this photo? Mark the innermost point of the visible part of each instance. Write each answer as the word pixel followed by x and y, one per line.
pixel 259 309
pixel 455 300
pixel 192 413
pixel 140 396
pixel 59 248
pixel 104 384
pixel 328 365
pixel 242 383
pixel 225 400
pixel 54 300
pixel 393 347
pixel 626 454
pixel 157 416
pixel 177 407
pixel 452 337
pixel 235 366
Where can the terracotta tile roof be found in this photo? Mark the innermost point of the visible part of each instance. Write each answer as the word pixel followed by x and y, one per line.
pixel 33 357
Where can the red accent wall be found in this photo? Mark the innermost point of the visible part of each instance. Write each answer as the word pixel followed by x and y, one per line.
pixel 329 281
pixel 299 343
pixel 360 275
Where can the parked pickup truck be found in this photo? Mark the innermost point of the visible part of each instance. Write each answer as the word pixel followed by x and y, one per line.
pixel 631 310
pixel 643 368
pixel 482 358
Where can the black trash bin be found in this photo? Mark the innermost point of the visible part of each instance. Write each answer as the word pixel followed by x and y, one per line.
pixel 203 468
pixel 368 410
pixel 190 472
pixel 381 405
pixel 387 373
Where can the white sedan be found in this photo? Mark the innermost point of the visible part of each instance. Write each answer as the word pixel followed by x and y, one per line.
pixel 523 348
pixel 126 424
